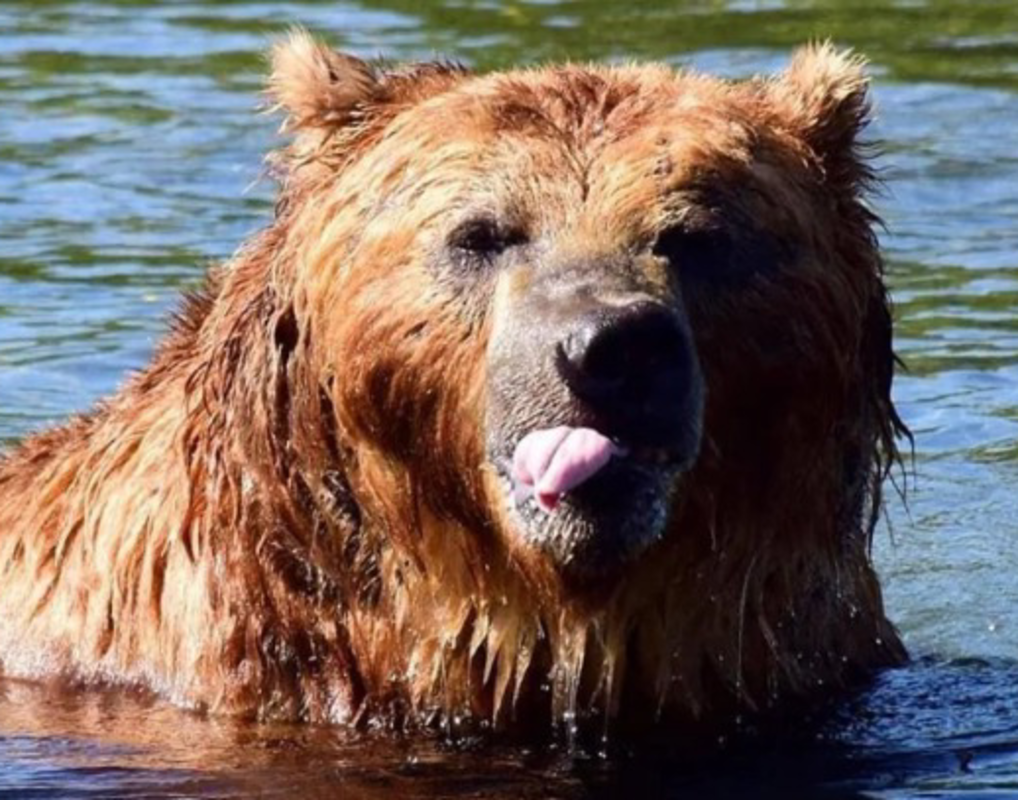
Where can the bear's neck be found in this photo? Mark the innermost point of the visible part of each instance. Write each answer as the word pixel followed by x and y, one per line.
pixel 180 505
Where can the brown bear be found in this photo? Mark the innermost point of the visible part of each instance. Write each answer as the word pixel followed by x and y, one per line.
pixel 560 394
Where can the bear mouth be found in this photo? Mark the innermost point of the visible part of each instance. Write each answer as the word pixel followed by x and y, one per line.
pixel 589 502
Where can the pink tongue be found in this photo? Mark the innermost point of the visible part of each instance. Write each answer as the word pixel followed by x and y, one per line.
pixel 553 461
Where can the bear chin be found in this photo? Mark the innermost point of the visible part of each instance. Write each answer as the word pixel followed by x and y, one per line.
pixel 598 528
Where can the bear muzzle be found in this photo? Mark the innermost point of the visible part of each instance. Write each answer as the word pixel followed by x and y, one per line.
pixel 590 458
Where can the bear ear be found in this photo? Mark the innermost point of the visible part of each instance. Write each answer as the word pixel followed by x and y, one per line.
pixel 823 97
pixel 318 87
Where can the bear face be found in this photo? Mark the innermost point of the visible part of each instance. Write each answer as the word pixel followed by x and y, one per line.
pixel 619 263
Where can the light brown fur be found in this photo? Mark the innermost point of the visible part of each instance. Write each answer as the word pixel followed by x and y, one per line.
pixel 289 514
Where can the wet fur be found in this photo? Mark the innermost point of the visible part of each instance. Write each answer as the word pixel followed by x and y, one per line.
pixel 288 514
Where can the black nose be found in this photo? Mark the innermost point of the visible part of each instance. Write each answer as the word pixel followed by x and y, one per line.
pixel 632 364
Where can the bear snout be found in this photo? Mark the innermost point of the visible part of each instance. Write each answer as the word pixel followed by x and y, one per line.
pixel 635 366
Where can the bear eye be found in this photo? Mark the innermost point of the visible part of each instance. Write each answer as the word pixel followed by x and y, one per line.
pixel 483 238
pixel 706 253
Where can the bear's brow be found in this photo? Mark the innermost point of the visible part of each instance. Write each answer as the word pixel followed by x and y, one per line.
pixel 571 105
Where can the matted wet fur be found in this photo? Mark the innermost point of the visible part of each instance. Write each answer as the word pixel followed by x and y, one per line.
pixel 294 512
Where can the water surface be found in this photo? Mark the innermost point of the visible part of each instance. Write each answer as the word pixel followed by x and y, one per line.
pixel 130 158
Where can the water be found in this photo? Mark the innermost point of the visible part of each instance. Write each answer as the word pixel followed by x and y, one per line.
pixel 130 157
